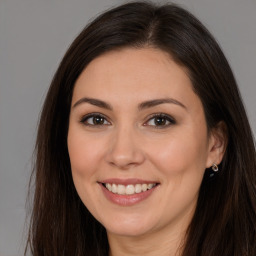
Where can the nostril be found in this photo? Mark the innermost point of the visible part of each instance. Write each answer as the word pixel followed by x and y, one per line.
pixel 124 148
pixel 125 160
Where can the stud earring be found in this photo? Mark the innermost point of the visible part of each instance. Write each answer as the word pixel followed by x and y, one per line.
pixel 215 167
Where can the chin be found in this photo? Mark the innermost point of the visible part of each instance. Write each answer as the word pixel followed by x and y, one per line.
pixel 128 231
pixel 128 226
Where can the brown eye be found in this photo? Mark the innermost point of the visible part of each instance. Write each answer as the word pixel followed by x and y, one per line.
pixel 98 120
pixel 160 121
pixel 95 120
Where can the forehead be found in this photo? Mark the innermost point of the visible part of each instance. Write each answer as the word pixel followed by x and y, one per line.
pixel 134 74
pixel 135 63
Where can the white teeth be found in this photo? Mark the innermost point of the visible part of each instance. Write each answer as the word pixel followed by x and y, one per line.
pixel 129 189
pixel 150 186
pixel 120 189
pixel 144 187
pixel 108 186
pixel 138 188
pixel 113 188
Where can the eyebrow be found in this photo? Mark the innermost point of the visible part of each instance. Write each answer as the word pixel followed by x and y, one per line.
pixel 153 103
pixel 95 102
pixel 143 105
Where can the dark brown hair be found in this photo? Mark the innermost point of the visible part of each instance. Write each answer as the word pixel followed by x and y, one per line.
pixel 224 222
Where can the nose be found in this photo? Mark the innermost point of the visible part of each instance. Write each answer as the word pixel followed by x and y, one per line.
pixel 125 149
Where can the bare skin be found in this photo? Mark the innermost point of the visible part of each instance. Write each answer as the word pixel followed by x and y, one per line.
pixel 136 119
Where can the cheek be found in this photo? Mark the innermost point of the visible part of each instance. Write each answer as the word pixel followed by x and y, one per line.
pixel 84 152
pixel 176 155
pixel 180 161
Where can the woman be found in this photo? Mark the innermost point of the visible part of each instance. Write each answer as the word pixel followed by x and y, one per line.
pixel 144 146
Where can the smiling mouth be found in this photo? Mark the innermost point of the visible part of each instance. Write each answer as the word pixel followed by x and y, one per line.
pixel 128 189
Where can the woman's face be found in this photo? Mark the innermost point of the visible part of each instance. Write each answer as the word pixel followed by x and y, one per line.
pixel 138 142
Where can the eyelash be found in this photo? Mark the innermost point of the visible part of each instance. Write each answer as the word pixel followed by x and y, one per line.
pixel 85 119
pixel 165 117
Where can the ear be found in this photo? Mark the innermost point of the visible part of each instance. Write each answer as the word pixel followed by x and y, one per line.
pixel 218 140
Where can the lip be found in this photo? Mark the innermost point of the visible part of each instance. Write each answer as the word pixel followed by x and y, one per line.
pixel 126 200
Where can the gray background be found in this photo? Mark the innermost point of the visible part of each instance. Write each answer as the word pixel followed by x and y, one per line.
pixel 34 35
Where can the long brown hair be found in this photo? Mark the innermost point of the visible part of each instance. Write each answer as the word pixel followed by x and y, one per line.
pixel 224 222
